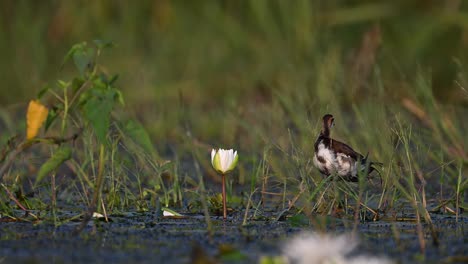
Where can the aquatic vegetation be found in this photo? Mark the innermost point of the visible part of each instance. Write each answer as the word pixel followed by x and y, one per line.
pixel 224 161
pixel 127 130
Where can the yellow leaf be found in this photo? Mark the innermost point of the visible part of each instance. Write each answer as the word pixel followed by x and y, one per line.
pixel 35 117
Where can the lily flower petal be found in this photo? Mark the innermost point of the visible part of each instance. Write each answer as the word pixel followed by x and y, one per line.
pixel 224 160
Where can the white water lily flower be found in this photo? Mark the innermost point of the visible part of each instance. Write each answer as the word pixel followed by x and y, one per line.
pixel 224 160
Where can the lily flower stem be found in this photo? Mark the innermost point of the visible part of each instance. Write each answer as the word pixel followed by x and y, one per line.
pixel 224 196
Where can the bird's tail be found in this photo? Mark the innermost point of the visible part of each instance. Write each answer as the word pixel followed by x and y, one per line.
pixel 370 165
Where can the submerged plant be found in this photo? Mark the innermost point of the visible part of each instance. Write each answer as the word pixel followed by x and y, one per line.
pixel 224 161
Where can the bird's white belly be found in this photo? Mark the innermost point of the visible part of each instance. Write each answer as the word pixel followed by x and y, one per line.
pixel 324 159
pixel 330 163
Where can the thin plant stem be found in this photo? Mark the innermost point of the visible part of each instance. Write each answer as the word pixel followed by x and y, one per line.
pixel 12 197
pixel 458 194
pixel 249 202
pixel 419 228
pixel 54 198
pixel 97 191
pixel 224 197
pixel 206 212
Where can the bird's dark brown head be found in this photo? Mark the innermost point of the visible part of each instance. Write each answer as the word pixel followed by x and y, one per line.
pixel 327 124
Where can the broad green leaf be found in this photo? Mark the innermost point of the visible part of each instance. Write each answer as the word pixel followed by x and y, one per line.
pixel 73 49
pixel 60 156
pixel 83 58
pixel 100 86
pixel 97 112
pixel 139 135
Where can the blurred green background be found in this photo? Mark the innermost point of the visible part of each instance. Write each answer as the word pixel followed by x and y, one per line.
pixel 195 66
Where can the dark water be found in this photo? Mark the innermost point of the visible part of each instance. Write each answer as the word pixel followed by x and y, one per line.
pixel 145 238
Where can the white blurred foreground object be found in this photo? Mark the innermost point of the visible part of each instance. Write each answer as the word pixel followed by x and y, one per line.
pixel 97 215
pixel 314 248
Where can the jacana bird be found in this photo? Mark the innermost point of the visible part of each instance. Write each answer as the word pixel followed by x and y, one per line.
pixel 334 157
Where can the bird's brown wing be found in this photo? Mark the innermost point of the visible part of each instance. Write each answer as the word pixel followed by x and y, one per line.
pixel 341 147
